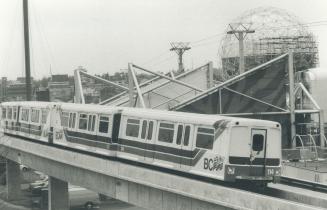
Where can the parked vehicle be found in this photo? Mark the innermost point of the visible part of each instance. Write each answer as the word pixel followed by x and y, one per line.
pixel 79 198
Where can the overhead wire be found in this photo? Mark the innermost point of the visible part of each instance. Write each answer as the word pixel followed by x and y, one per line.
pixel 8 54
pixel 47 47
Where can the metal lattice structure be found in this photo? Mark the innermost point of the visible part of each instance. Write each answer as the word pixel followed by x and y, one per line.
pixel 180 48
pixel 276 32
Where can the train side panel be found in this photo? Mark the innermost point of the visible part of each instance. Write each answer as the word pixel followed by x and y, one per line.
pixel 254 153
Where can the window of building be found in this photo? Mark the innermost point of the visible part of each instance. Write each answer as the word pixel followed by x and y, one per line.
pixel 4 113
pixel 9 114
pixel 187 135
pixel 91 122
pixel 35 115
pixel 132 127
pixel 44 116
pixel 82 124
pixel 166 132
pixel 179 134
pixel 15 113
pixel 144 125
pixel 25 115
pixel 257 144
pixel 72 120
pixel 150 130
pixel 204 138
pixel 104 124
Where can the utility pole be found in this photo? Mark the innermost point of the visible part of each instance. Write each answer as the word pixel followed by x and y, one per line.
pixel 27 52
pixel 180 48
pixel 240 32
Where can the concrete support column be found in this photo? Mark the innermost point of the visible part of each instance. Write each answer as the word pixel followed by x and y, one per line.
pixel 13 180
pixel 58 194
pixel 322 128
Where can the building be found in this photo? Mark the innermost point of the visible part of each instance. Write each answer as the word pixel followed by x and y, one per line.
pixel 14 90
pixel 60 89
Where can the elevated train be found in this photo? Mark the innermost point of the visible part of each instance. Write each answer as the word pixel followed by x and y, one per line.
pixel 213 146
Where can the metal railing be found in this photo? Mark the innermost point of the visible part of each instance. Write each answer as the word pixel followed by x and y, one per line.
pixel 304 145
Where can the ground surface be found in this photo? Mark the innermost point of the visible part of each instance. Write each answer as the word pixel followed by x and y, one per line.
pixel 24 202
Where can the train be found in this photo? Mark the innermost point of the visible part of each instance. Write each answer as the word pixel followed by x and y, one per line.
pixel 228 149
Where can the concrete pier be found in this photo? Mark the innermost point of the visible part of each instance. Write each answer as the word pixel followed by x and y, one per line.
pixel 140 186
pixel 58 194
pixel 13 177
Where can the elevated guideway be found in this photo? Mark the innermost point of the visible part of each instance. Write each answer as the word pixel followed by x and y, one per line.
pixel 149 188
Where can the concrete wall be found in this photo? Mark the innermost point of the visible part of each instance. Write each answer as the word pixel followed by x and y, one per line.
pixel 136 185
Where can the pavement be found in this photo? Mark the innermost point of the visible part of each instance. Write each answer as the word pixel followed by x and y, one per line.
pixel 24 202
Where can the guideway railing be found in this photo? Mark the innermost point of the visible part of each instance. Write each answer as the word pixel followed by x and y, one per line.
pixel 308 148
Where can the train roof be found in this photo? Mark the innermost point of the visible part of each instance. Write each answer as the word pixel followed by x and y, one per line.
pixel 39 104
pixel 94 108
pixel 186 117
pixel 182 117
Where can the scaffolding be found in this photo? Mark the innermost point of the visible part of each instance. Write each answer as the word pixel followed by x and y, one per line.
pixel 276 32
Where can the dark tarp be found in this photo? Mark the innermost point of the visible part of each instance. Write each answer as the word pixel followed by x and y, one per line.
pixel 263 90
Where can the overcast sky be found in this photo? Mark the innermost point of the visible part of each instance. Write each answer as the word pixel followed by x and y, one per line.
pixel 104 35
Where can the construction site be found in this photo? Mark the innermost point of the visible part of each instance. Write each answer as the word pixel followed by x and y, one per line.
pixel 261 58
pixel 268 68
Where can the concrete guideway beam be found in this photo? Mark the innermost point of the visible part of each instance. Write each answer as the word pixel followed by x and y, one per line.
pixel 13 177
pixel 58 194
pixel 136 185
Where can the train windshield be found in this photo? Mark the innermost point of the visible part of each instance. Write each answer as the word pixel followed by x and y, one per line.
pixel 258 140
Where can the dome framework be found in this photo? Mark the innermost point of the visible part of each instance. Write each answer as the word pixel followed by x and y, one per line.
pixel 276 32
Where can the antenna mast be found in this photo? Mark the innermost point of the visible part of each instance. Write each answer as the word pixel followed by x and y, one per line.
pixel 240 31
pixel 27 52
pixel 180 48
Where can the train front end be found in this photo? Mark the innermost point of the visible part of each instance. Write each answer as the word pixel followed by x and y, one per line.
pixel 254 152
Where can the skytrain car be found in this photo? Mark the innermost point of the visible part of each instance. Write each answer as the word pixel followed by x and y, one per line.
pixel 86 127
pixel 213 146
pixel 26 119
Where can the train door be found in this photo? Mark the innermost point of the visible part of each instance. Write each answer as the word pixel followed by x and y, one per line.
pixel 258 150
pixel 103 131
pixel 115 128
pixel 147 139
pixel 183 141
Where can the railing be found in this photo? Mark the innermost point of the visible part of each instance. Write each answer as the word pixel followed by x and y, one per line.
pixel 315 146
pixel 311 145
pixel 324 137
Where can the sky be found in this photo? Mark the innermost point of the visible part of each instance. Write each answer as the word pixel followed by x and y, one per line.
pixel 105 35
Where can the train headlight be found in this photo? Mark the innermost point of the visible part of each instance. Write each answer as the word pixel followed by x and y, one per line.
pixel 277 172
pixel 230 170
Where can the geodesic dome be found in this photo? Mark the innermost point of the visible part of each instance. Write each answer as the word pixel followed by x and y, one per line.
pixel 276 32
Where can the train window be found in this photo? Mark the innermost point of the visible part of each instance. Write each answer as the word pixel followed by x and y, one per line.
pixel 144 125
pixel 82 124
pixel 25 115
pixel 91 124
pixel 15 113
pixel 64 119
pixel 150 130
pixel 132 127
pixel 257 142
pixel 9 114
pixel 35 115
pixel 4 113
pixel 104 124
pixel 166 132
pixel 179 134
pixel 187 135
pixel 72 120
pixel 44 116
pixel 204 138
